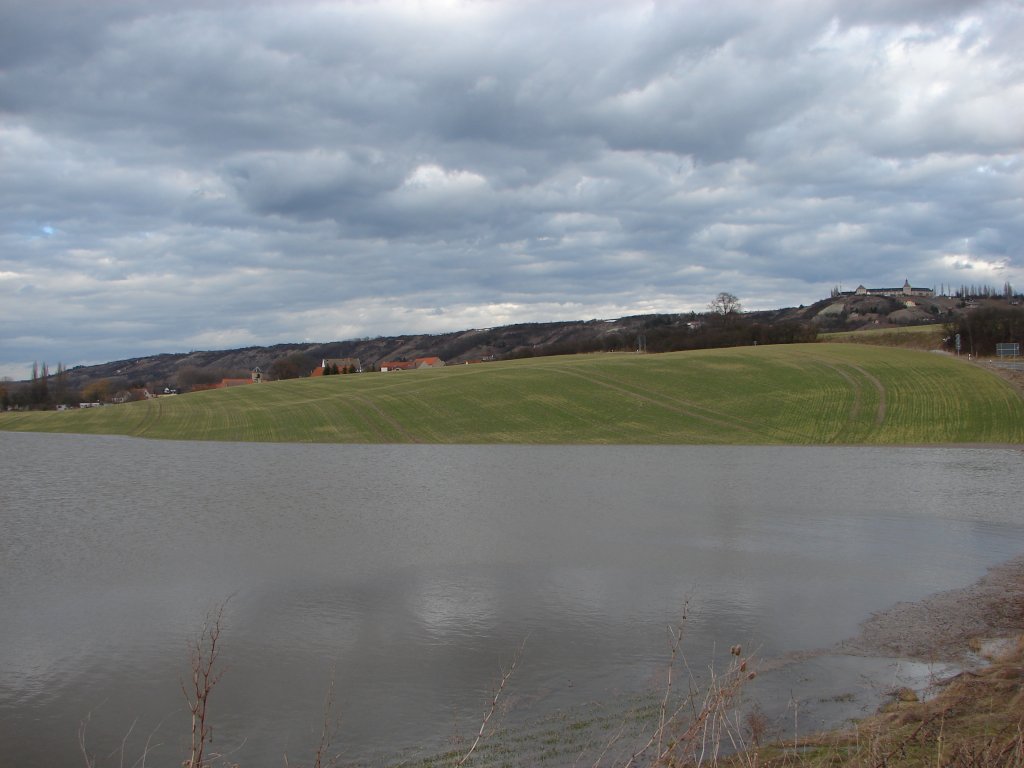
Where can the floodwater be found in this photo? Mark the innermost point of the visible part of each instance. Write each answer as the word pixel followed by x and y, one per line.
pixel 409 575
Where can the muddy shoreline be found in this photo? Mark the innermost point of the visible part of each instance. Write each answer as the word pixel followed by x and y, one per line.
pixel 948 626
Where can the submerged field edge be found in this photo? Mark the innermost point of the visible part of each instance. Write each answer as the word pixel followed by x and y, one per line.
pixel 948 630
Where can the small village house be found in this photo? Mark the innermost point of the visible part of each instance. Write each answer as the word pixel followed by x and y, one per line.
pixel 339 364
pixel 406 365
pixel 428 362
pixel 396 365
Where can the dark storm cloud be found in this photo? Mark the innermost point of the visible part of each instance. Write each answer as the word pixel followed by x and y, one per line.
pixel 178 175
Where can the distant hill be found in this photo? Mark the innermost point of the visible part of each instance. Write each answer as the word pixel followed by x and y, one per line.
pixel 655 333
pixel 498 343
pixel 503 342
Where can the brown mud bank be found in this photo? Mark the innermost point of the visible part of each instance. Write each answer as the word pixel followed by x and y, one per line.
pixel 971 719
pixel 959 625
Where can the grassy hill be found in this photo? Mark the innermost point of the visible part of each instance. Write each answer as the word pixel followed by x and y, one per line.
pixel 795 394
pixel 912 337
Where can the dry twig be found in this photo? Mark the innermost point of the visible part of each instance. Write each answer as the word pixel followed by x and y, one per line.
pixel 204 676
pixel 506 674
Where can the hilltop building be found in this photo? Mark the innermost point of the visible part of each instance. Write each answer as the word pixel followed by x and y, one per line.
pixel 896 293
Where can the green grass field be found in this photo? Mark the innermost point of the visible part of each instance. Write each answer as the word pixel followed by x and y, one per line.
pixel 792 394
pixel 912 336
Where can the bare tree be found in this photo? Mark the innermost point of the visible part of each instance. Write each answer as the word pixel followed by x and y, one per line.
pixel 96 391
pixel 205 675
pixel 189 376
pixel 725 304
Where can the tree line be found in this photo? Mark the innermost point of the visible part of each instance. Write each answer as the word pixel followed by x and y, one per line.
pixel 46 390
pixel 723 325
pixel 985 292
pixel 981 329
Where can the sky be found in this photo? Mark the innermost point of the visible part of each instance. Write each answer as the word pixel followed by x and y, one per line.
pixel 205 175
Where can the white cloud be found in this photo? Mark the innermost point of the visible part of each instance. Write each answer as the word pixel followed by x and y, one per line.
pixel 983 267
pixel 196 174
pixel 434 177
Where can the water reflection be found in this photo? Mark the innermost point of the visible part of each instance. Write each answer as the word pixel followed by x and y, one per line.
pixel 410 572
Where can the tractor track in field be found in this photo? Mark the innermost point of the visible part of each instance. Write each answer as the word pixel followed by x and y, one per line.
pixel 387 419
pixel 880 409
pixel 711 417
pixel 854 385
pixel 607 384
pixel 879 388
pixel 151 418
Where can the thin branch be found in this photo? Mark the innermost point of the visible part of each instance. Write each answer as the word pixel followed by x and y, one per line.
pixel 494 703
pixel 328 728
pixel 124 741
pixel 611 742
pixel 204 676
pixel 83 726
pixel 676 640
pixel 141 762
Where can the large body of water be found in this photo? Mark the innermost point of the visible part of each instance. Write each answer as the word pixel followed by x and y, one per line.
pixel 410 573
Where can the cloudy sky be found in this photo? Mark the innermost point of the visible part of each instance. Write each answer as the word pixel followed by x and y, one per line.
pixel 201 175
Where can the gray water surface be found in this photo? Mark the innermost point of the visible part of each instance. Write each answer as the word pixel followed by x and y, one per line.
pixel 409 574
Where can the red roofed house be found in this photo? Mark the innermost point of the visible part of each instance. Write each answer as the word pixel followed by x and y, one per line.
pixel 396 365
pixel 429 362
pixel 340 364
pixel 256 377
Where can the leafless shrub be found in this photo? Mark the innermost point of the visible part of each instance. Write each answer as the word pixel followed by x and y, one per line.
pixel 506 674
pixel 205 674
pixel 995 753
pixel 694 731
pixel 455 738
pixel 328 730
pixel 757 725
pixel 120 753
